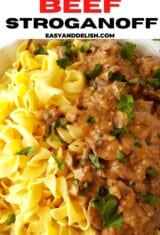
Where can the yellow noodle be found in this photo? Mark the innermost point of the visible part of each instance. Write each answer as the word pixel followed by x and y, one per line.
pixel 36 190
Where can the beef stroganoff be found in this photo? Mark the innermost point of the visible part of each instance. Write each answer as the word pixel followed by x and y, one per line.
pixel 80 140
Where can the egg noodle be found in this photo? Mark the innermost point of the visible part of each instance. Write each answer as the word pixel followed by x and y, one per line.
pixel 34 179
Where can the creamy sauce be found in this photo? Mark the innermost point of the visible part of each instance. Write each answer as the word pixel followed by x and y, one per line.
pixel 130 158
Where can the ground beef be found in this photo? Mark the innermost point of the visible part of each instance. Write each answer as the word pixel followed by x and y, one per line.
pixel 140 144
pixel 110 135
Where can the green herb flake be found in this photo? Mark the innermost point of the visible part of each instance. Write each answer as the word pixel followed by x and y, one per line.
pixel 120 156
pixel 63 62
pixel 68 46
pixel 85 47
pixel 124 130
pixel 127 50
pixel 126 104
pixel 76 181
pixel 95 72
pixel 28 151
pixel 108 208
pixel 119 131
pixel 10 219
pixel 117 76
pixel 95 160
pixel 134 136
pixel 152 172
pixel 137 144
pixel 102 191
pixel 131 83
pixel 60 123
pixel 53 134
pixel 69 51
pixel 65 42
pixel 86 186
pixel 59 163
pixel 155 80
pixel 95 86
pixel 156 73
pixel 40 50
pixel 90 119
pixel 149 198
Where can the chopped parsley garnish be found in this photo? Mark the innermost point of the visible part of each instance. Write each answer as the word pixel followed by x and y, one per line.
pixel 119 131
pixel 120 156
pixel 108 208
pixel 85 47
pixel 90 119
pixel 127 50
pixel 134 136
pixel 60 123
pixel 131 83
pixel 95 161
pixel 59 163
pixel 28 151
pixel 102 191
pixel 63 62
pixel 76 181
pixel 69 51
pixel 152 172
pixel 126 104
pixel 10 219
pixel 154 81
pixel 65 42
pixel 156 73
pixel 53 133
pixel 82 188
pixel 137 144
pixel 86 186
pixel 149 198
pixel 68 45
pixel 116 76
pixel 95 72
pixel 40 50
pixel 95 86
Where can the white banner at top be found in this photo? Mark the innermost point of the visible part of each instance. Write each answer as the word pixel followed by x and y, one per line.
pixel 120 19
